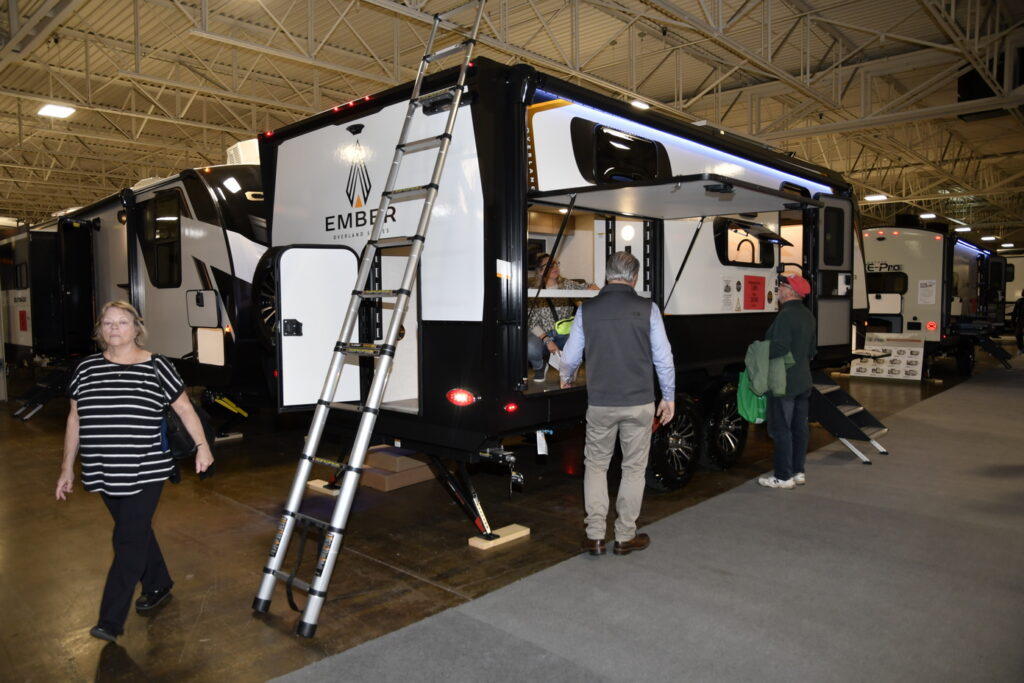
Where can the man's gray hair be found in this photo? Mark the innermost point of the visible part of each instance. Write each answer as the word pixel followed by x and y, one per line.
pixel 621 266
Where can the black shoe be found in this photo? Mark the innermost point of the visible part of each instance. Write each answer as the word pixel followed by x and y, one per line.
pixel 148 601
pixel 102 634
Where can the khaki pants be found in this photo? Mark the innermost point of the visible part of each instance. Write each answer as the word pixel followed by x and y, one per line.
pixel 632 424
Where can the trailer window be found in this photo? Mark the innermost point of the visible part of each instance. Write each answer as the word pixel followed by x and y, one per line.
pixel 736 246
pixel 887 283
pixel 161 239
pixel 605 155
pixel 832 236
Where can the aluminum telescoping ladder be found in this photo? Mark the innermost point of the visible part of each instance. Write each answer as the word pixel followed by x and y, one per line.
pixel 335 529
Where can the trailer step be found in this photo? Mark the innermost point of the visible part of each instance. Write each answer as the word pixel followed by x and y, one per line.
pixel 850 410
pixel 826 388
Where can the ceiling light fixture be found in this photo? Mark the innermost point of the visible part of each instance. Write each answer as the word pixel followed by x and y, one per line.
pixel 1007 245
pixel 962 228
pixel 989 238
pixel 56 111
pixel 926 216
pixel 639 104
pixel 875 198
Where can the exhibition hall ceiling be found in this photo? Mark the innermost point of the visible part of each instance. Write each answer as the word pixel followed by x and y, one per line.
pixel 919 101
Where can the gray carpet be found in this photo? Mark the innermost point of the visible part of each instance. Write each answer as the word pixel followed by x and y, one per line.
pixel 911 569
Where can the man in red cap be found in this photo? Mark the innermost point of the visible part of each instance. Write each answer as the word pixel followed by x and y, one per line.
pixel 792 333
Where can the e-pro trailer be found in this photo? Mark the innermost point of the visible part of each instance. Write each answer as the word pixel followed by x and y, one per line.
pixel 929 283
pixel 704 211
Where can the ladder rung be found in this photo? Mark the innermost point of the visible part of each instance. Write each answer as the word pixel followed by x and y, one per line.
pixel 424 144
pixel 360 349
pixel 298 583
pixel 448 51
pixel 849 410
pixel 350 407
pixel 437 95
pixel 409 194
pixel 826 388
pixel 875 432
pixel 330 463
pixel 392 242
pixel 380 293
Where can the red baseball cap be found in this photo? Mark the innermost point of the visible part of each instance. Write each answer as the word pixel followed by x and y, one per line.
pixel 798 284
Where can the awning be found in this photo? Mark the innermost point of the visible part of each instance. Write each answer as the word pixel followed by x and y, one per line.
pixel 681 197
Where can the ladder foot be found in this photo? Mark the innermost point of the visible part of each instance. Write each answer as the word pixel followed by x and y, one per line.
pixel 867 462
pixel 305 630
pixel 260 606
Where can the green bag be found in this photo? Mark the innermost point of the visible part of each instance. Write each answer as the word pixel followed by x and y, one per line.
pixel 563 326
pixel 751 406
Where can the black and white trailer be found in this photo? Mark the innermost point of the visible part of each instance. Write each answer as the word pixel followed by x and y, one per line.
pixel 712 216
pixel 924 281
pixel 182 249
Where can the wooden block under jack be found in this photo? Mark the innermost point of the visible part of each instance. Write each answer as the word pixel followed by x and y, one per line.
pixel 504 535
pixel 320 486
pixel 382 480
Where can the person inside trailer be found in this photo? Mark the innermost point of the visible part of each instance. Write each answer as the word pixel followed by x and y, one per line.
pixel 543 315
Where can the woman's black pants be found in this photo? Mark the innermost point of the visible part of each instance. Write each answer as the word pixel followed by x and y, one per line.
pixel 137 555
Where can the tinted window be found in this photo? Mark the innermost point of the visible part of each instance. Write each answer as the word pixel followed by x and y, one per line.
pixel 161 239
pixel 606 155
pixel 833 244
pixel 887 283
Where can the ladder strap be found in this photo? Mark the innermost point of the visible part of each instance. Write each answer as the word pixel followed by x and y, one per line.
pixel 387 350
pixel 319 594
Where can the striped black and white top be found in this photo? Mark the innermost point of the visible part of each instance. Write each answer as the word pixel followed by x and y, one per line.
pixel 120 408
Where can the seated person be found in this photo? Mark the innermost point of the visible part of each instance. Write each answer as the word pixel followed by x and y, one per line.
pixel 542 313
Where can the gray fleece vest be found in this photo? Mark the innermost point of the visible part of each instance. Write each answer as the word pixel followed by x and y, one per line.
pixel 617 334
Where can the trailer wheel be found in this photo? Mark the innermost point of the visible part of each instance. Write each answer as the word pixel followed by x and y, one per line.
pixel 674 449
pixel 264 292
pixel 725 430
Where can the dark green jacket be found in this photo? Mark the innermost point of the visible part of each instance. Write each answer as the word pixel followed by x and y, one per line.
pixel 794 332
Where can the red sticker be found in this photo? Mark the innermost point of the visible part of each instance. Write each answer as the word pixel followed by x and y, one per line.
pixel 23 321
pixel 753 292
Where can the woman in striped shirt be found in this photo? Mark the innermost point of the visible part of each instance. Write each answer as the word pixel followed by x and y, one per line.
pixel 118 398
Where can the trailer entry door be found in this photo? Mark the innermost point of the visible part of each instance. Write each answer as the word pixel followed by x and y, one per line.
pixel 313 289
pixel 833 270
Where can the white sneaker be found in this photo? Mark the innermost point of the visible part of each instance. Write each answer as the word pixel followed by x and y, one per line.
pixel 799 478
pixel 770 481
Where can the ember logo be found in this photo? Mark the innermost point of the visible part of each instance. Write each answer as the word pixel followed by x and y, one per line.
pixel 357 189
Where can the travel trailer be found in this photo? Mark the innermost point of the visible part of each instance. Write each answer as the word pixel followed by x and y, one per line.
pixel 182 249
pixel 926 282
pixel 540 164
pixel 15 298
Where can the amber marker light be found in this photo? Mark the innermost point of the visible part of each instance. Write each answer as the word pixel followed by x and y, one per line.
pixel 460 397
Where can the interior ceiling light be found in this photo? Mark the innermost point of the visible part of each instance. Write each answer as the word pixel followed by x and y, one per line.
pixel 56 111
pixel 639 104
pixel 989 238
pixel 875 198
pixel 962 228
pixel 926 216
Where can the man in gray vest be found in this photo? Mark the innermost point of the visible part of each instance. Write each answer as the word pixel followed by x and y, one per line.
pixel 623 336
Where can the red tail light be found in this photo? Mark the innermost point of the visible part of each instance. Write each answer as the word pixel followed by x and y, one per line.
pixel 932 326
pixel 460 397
pixel 511 407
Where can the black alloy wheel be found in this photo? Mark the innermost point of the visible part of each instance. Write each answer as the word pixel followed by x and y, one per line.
pixel 264 293
pixel 674 449
pixel 725 430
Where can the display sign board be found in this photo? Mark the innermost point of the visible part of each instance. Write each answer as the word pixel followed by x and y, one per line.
pixel 903 357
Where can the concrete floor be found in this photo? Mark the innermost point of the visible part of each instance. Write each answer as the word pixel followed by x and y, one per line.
pixel 405 555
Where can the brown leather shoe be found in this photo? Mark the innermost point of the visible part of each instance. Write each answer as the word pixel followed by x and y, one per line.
pixel 594 546
pixel 638 542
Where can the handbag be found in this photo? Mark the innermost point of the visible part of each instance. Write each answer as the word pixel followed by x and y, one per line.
pixel 174 438
pixel 750 406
